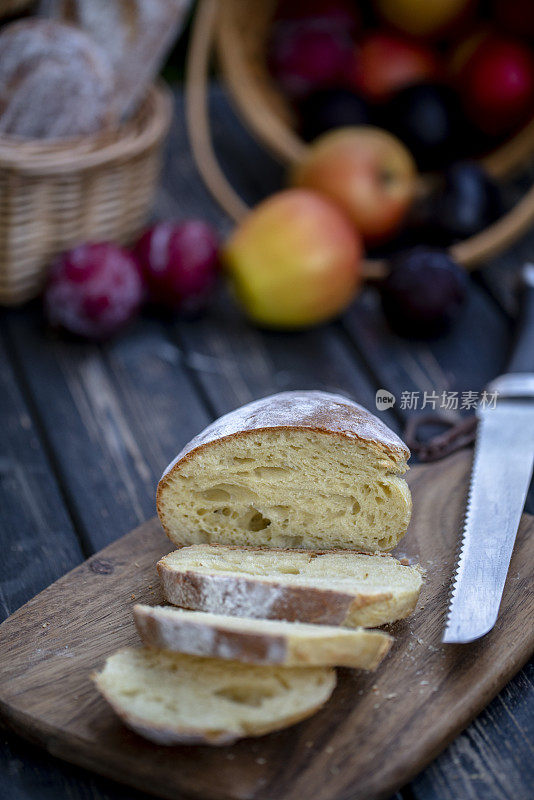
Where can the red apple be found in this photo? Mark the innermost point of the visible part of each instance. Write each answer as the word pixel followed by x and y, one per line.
pixel 367 171
pixel 424 17
pixel 294 261
pixel 497 84
pixel 385 62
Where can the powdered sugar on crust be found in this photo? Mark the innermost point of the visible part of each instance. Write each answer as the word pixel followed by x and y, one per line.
pixel 219 595
pixel 255 598
pixel 161 629
pixel 311 410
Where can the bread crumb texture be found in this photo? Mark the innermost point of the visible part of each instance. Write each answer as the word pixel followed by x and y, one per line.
pixel 342 588
pixel 172 698
pixel 321 475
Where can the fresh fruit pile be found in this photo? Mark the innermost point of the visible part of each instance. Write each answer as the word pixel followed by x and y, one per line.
pixel 444 76
pixel 95 289
pixel 380 93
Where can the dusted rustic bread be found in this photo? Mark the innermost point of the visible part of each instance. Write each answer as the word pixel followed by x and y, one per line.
pixel 303 469
pixel 343 588
pixel 135 35
pixel 254 641
pixel 171 698
pixel 55 82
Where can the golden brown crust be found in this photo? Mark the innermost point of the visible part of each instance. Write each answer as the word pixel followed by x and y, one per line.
pixel 262 642
pixel 269 596
pixel 253 648
pixel 265 599
pixel 315 411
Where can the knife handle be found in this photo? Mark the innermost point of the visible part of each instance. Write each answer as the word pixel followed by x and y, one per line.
pixel 522 356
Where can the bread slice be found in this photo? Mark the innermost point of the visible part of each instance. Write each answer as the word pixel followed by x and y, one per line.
pixel 252 641
pixel 172 698
pixel 343 588
pixel 302 469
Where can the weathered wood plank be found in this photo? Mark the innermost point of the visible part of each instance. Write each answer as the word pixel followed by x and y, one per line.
pixel 494 757
pixel 30 773
pixel 249 168
pixel 38 544
pixel 236 363
pixel 465 359
pixel 113 417
pixel 37 537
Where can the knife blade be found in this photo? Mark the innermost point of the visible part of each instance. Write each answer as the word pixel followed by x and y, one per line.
pixel 500 478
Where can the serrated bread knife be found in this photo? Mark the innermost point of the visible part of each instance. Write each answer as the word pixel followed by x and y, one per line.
pixel 500 478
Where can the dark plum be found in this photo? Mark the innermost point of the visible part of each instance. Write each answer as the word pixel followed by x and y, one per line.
pixel 467 202
pixel 423 293
pixel 180 263
pixel 429 119
pixel 470 200
pixel 93 290
pixel 326 109
pixel 303 58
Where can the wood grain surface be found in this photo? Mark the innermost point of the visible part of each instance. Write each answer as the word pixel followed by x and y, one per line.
pixel 372 737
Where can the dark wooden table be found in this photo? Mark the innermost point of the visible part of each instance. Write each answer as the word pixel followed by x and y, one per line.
pixel 87 430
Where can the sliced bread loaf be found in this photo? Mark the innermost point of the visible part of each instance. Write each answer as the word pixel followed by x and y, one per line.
pixel 343 588
pixel 301 469
pixel 172 698
pixel 263 641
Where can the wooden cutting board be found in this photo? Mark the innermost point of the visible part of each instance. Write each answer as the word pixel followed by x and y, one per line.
pixel 377 731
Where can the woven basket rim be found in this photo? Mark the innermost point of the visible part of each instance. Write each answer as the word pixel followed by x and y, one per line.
pixel 143 131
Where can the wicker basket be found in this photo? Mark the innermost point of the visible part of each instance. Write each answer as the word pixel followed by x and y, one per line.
pixel 56 194
pixel 239 30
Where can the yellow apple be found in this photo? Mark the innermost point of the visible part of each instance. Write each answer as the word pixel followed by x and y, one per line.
pixel 294 261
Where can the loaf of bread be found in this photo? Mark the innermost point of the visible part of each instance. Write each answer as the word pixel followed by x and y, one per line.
pixel 303 469
pixel 254 641
pixel 343 588
pixel 55 82
pixel 136 36
pixel 171 698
